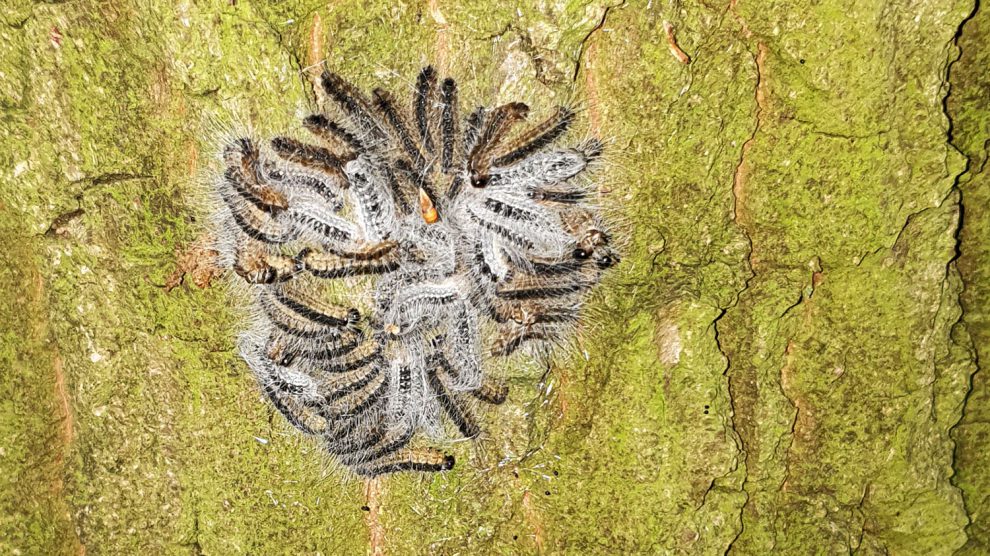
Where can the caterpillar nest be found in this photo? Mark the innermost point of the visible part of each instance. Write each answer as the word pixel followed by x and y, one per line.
pixel 395 258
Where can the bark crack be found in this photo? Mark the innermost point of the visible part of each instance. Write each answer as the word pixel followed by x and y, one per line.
pixel 376 532
pixel 740 175
pixel 18 25
pixel 952 263
pixel 63 413
pixel 740 446
pixel 841 135
pixel 740 218
pixel 57 227
pixel 308 90
pixel 585 42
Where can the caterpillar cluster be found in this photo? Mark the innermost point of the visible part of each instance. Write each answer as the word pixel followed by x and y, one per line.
pixel 395 257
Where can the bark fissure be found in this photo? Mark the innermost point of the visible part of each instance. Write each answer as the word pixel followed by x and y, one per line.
pixel 739 219
pixel 952 266
pixel 587 38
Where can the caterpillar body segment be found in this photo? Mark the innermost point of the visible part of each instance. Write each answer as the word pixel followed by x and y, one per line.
pixel 427 460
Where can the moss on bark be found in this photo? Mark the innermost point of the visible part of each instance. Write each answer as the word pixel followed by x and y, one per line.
pixel 786 360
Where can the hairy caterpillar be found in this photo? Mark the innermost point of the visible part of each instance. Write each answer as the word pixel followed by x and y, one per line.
pixel 446 243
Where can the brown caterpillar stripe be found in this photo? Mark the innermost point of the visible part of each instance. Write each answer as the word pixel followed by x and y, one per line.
pixel 297 320
pixel 352 102
pixel 253 222
pixel 314 309
pixel 295 412
pixel 491 392
pixel 334 135
pixel 501 231
pixel 385 106
pixel 375 251
pixel 530 313
pixel 243 155
pixel 263 268
pixel 263 197
pixel 331 265
pixel 536 138
pixel 243 159
pixel 539 292
pixel 310 156
pixel 365 354
pixel 452 406
pixel 358 403
pixel 389 445
pixel 332 347
pixel 408 460
pixel 339 385
pixel 497 125
pixel 568 197
pixel 512 340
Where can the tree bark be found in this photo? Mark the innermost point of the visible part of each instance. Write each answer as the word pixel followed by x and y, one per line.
pixel 786 360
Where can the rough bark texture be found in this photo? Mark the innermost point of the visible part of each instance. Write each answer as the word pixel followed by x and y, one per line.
pixel 786 361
